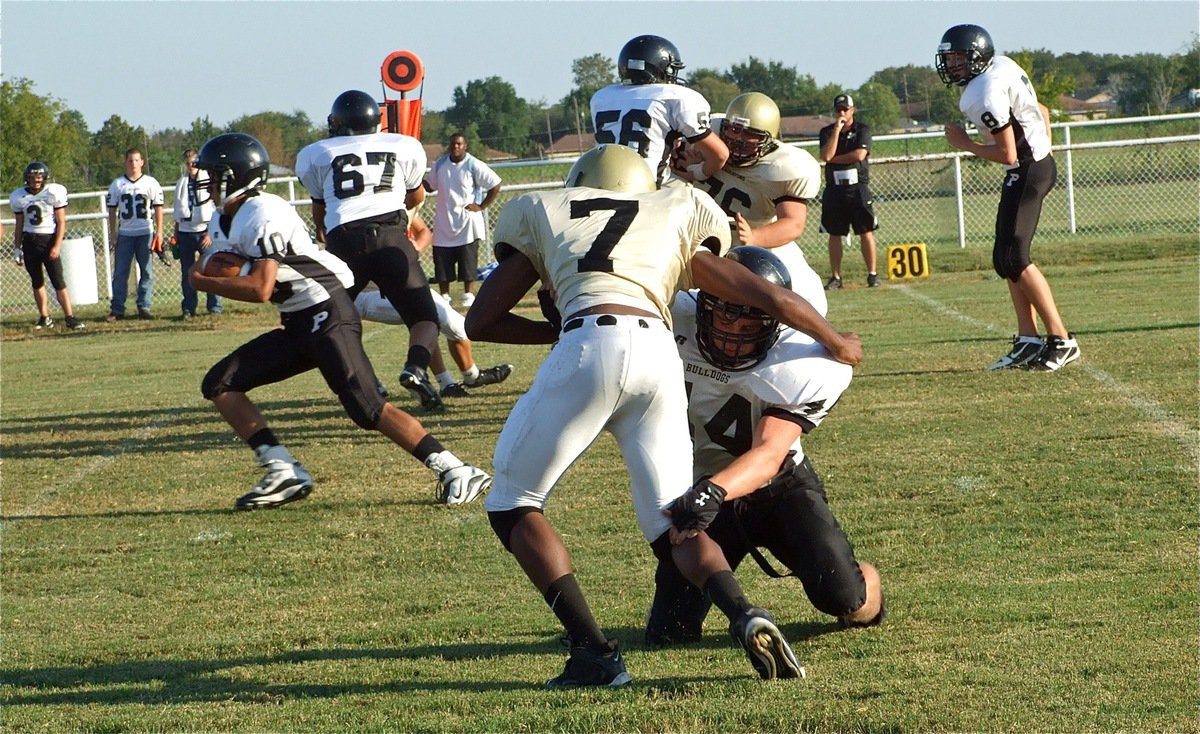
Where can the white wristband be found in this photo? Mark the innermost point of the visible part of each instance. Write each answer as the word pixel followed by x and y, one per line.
pixel 697 171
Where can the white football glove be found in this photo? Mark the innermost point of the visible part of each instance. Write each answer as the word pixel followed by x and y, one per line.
pixel 462 485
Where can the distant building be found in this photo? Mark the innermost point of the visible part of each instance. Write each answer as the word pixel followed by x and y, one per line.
pixel 1087 104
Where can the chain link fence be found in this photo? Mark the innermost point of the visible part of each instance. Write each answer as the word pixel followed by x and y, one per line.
pixel 1136 187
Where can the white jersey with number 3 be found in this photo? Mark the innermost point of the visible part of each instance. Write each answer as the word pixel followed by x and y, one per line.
pixel 361 176
pixel 1003 96
pixel 38 209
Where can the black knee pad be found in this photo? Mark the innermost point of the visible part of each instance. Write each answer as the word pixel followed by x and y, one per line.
pixel 504 521
pixel 1010 263
pixel 364 412
pixel 216 381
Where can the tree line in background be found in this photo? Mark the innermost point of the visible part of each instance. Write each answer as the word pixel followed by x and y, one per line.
pixel 493 116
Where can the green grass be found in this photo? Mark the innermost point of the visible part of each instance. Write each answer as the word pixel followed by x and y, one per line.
pixel 1036 536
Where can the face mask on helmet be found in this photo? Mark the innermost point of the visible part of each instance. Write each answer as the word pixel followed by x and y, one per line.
pixel 733 337
pixel 746 144
pixel 965 52
pixel 36 176
pixel 236 164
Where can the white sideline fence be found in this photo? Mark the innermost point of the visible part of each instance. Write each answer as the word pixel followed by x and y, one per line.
pixel 1145 185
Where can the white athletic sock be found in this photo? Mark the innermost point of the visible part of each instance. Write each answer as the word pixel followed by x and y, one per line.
pixel 444 379
pixel 471 375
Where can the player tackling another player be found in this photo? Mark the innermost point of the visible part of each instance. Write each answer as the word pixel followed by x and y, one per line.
pixel 614 251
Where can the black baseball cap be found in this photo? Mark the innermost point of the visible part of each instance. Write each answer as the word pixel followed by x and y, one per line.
pixel 843 102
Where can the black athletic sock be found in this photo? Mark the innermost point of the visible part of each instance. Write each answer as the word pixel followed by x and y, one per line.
pixel 418 356
pixel 427 446
pixel 726 593
pixel 566 601
pixel 262 437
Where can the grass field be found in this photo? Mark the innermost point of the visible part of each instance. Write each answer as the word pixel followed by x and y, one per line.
pixel 1037 536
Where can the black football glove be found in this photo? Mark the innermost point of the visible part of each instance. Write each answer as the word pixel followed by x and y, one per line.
pixel 696 508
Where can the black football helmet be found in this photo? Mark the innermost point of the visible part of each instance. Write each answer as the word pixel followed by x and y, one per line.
pixel 34 169
pixel 649 59
pixel 236 163
pixel 968 39
pixel 725 348
pixel 353 113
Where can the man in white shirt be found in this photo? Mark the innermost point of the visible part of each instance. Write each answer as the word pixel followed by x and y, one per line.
pixel 135 220
pixel 458 223
pixel 191 212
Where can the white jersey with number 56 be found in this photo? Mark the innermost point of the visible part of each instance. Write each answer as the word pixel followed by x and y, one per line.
pixel 596 247
pixel 649 118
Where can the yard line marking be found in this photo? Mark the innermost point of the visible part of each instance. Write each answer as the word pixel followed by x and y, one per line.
pixel 142 435
pixel 1158 416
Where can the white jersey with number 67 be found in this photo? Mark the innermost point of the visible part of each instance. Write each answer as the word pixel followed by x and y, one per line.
pixel 361 176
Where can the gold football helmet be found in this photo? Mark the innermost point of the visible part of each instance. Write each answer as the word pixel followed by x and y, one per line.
pixel 613 168
pixel 750 127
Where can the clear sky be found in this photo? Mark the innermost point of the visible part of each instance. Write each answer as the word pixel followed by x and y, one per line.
pixel 163 64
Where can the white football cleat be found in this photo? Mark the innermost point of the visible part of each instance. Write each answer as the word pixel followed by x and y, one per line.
pixel 284 482
pixel 458 483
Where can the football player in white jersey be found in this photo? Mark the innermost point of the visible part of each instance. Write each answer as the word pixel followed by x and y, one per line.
pixel 135 220
pixel 614 251
pixel 999 100
pixel 372 306
pixel 764 187
pixel 40 210
pixel 651 111
pixel 753 390
pixel 320 330
pixel 362 183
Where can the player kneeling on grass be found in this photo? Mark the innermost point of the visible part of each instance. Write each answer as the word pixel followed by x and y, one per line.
pixel 320 330
pixel 614 251
pixel 754 388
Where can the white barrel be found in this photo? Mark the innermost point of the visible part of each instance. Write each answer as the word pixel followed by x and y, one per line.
pixel 79 270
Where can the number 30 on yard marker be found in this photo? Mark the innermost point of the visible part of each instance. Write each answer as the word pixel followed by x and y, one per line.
pixel 907 261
